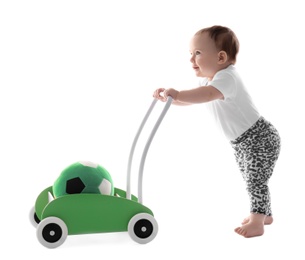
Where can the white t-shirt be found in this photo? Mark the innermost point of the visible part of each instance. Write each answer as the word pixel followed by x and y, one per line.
pixel 237 112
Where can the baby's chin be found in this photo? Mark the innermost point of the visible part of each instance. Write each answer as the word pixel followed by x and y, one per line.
pixel 198 73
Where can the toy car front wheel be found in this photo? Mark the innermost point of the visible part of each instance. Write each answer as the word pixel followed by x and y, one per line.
pixel 33 217
pixel 52 232
pixel 142 228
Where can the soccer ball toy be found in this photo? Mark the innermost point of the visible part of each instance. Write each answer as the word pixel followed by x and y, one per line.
pixel 83 177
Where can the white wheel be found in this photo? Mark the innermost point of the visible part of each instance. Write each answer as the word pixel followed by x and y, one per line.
pixel 33 217
pixel 52 232
pixel 142 228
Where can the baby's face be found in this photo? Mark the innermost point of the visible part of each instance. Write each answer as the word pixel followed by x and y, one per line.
pixel 204 56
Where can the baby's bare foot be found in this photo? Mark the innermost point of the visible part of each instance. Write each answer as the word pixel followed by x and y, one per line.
pixel 250 230
pixel 268 220
pixel 253 225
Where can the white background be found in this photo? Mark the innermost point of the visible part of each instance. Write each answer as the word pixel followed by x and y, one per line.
pixel 76 79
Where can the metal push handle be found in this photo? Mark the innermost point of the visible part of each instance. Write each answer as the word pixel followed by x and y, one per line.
pixel 141 169
pixel 150 138
pixel 128 189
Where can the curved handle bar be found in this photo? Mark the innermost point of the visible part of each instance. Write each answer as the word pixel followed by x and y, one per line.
pixel 144 154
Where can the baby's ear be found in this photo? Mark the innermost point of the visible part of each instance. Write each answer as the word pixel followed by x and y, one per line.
pixel 222 57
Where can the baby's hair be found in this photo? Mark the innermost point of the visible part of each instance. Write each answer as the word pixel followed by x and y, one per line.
pixel 225 40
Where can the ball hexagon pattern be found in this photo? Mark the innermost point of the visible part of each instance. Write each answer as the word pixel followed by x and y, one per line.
pixel 83 177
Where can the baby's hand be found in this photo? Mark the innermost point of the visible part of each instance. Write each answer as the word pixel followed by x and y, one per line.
pixel 157 94
pixel 166 92
pixel 170 92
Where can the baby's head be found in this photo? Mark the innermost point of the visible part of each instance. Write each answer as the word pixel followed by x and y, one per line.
pixel 224 39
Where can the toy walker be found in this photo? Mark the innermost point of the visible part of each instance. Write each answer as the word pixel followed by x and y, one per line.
pixel 56 217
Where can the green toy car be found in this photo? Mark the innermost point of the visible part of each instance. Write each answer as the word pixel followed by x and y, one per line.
pixel 117 210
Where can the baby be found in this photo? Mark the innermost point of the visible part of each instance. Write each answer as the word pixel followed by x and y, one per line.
pixel 255 141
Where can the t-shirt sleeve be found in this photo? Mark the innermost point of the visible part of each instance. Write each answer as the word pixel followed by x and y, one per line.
pixel 225 83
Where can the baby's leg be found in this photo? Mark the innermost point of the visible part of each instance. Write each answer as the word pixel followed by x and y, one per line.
pixel 257 156
pixel 260 210
pixel 260 205
pixel 260 200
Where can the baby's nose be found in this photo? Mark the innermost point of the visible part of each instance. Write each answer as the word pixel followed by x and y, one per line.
pixel 192 60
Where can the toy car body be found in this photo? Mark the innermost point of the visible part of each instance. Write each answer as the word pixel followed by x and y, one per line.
pixel 90 213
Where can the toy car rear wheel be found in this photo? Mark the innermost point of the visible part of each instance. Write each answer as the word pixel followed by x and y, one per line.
pixel 52 232
pixel 33 217
pixel 142 228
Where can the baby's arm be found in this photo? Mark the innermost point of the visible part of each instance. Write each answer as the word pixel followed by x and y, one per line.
pixel 196 95
pixel 192 96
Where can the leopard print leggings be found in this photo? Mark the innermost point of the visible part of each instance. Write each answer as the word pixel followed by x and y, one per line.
pixel 256 152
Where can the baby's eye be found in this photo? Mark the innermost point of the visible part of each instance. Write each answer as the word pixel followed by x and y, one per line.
pixel 197 52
